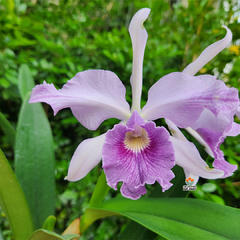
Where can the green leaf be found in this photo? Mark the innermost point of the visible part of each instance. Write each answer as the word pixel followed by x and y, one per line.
pixel 49 223
pixel 175 218
pixel 133 230
pixel 92 214
pixel 26 82
pixel 13 202
pixel 216 199
pixel 34 160
pixel 42 234
pixel 136 231
pixel 8 129
pixel 70 236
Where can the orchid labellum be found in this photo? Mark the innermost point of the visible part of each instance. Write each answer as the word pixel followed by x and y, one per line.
pixel 136 151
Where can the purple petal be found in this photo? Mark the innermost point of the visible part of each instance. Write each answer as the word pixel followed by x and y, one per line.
pixel 93 96
pixel 188 157
pixel 201 141
pixel 225 166
pixel 238 112
pixel 182 98
pixel 209 53
pixel 217 124
pixel 87 155
pixel 134 119
pixel 211 132
pixel 139 38
pixel 138 157
pixel 214 140
pixel 232 130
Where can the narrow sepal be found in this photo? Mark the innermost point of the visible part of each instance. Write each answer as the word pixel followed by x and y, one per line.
pixel 209 53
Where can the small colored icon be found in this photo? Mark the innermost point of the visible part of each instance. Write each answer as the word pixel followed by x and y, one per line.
pixel 189 181
pixel 188 187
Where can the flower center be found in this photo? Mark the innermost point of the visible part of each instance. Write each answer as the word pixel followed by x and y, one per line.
pixel 136 140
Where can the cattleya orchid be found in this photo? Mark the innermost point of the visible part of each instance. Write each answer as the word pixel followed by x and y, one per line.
pixel 136 151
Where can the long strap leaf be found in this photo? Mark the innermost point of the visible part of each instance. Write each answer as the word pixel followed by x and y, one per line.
pixel 34 161
pixel 34 153
pixel 173 218
pixel 13 202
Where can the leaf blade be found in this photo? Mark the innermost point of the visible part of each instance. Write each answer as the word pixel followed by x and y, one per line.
pixel 179 217
pixel 165 227
pixel 34 160
pixel 25 80
pixel 49 223
pixel 16 208
pixel 134 230
pixel 41 234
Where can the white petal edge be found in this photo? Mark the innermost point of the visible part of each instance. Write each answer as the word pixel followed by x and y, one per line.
pixel 87 155
pixel 139 37
pixel 188 157
pixel 209 53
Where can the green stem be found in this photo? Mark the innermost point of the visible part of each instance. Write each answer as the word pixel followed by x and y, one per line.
pixel 13 202
pixel 93 214
pixel 100 191
pixel 98 195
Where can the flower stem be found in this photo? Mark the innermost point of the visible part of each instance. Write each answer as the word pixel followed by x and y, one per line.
pixel 100 191
pixel 98 195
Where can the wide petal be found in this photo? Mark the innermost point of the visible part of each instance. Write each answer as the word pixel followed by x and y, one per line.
pixel 136 162
pixel 87 155
pixel 210 131
pixel 182 98
pixel 188 157
pixel 139 38
pixel 92 95
pixel 214 140
pixel 209 53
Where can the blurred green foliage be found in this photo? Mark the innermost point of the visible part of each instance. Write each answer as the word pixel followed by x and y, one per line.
pixel 58 38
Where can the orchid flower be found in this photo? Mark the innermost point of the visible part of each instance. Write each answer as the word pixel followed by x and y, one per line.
pixel 136 151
